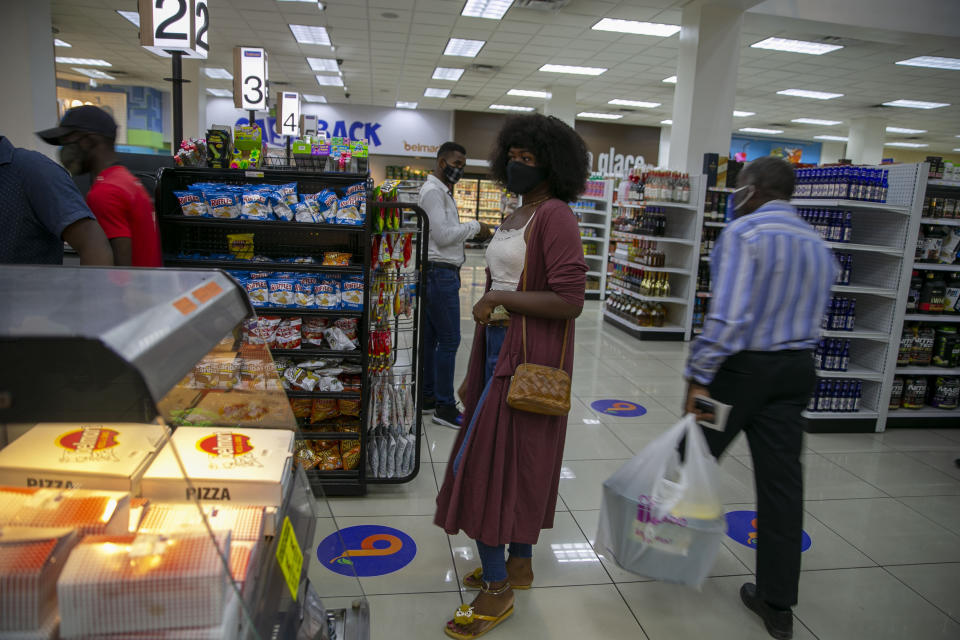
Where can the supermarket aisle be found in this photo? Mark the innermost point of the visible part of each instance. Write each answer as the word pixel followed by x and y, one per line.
pixel 882 514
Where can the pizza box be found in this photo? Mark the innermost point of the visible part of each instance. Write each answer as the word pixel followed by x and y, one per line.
pixel 89 511
pixel 106 456
pixel 30 563
pixel 225 466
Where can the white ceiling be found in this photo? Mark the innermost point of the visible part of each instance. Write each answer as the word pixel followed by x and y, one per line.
pixel 392 58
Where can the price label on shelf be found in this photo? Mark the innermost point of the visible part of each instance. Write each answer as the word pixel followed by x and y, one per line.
pixel 250 78
pixel 288 113
pixel 166 24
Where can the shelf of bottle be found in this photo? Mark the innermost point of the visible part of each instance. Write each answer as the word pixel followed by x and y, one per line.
pixel 945 222
pixel 596 198
pixel 932 317
pixel 937 182
pixel 592 239
pixel 863 414
pixel 630 204
pixel 628 263
pixel 926 412
pixel 686 206
pixel 928 371
pixel 633 294
pixel 852 372
pixel 669 328
pixel 873 248
pixel 598 212
pixel 716 225
pixel 594 225
pixel 848 204
pixel 870 291
pixel 861 334
pixel 639 236
pixel 934 266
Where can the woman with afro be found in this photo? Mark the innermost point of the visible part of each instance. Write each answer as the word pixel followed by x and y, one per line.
pixel 502 479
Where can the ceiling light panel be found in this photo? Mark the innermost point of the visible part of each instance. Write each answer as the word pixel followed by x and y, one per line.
pixel 406 105
pixel 907 145
pixel 323 64
pixel 743 114
pixel 796 46
pixel 825 123
pixel 814 95
pixel 637 28
pixel 599 116
pixel 769 132
pixel 916 104
pixel 670 80
pixel 447 73
pixel 57 42
pixel 580 71
pixel 533 94
pixel 312 97
pixel 329 81
pixel 220 93
pixel 94 73
pixel 131 16
pixel 902 130
pixel 89 62
pixel 831 138
pixel 218 73
pixel 491 9
pixel 510 107
pixel 306 34
pixel 463 48
pixel 932 62
pixel 634 103
pixel 436 93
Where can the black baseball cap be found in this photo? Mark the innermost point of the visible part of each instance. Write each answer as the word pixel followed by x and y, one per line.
pixel 87 118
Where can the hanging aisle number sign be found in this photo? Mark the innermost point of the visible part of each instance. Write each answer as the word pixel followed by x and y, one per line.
pixel 175 25
pixel 288 113
pixel 250 78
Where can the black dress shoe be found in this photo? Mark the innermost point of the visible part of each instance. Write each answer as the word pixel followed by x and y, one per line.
pixel 779 623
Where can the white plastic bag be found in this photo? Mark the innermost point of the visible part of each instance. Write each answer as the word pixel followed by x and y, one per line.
pixel 661 518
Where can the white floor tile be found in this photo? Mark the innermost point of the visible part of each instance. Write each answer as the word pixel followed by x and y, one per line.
pixel 403 616
pixel 845 442
pixel 596 612
pixel 916 440
pixel 415 498
pixel 581 482
pixel 897 473
pixel 944 510
pixel 944 461
pixel 938 583
pixel 825 480
pixel 592 442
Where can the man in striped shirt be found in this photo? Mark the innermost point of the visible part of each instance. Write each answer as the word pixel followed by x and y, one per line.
pixel 772 275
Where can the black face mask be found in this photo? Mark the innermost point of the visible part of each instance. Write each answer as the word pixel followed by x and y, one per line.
pixel 452 173
pixel 522 178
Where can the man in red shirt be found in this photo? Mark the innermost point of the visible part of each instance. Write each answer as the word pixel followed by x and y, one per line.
pixel 122 206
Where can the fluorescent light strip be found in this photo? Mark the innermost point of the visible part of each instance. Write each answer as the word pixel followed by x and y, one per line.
pixel 447 73
pixel 932 62
pixel 306 34
pixel 90 62
pixel 218 73
pixel 220 93
pixel 536 94
pixel 463 48
pixel 635 103
pixel 804 93
pixel 406 105
pixel 796 46
pixel 323 64
pixel 666 122
pixel 916 104
pixel 825 123
pixel 313 97
pixel 670 80
pixel 599 116
pixel 907 145
pixel 57 42
pixel 131 16
pixel 831 138
pixel 490 9
pixel 329 81
pixel 510 107
pixel 637 28
pixel 902 130
pixel 769 132
pixel 580 71
pixel 94 73
pixel 436 93
pixel 743 114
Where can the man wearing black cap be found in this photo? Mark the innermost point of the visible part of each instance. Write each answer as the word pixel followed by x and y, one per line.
pixel 123 208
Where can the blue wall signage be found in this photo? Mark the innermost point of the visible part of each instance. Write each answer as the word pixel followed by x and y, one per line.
pixel 367 550
pixel 357 130
pixel 742 527
pixel 620 408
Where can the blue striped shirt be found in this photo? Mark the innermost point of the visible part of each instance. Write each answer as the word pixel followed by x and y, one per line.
pixel 772 277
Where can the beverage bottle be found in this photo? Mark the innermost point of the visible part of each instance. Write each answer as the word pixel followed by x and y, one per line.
pixel 666 286
pixel 932 294
pixel 857 395
pixel 851 315
pixel 812 403
pixel 661 317
pixel 845 357
pixel 818 355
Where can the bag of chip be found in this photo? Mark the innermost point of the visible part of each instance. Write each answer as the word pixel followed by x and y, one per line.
pixel 301 379
pixel 255 205
pixel 302 212
pixel 281 292
pixel 258 291
pixel 303 296
pixel 337 259
pixel 348 211
pixel 323 409
pixel 358 187
pixel 348 407
pixel 263 330
pixel 329 453
pixel 352 293
pixel 373 458
pixel 281 208
pixel 288 333
pixel 289 192
pixel 328 384
pixel 349 327
pixel 240 245
pixel 350 452
pixel 252 375
pixel 312 364
pixel 313 329
pixel 351 384
pixel 327 293
pixel 222 204
pixel 327 201
pixel 191 204
pixel 338 340
pixel 206 374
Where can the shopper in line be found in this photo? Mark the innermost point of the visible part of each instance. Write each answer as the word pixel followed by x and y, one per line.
pixel 40 209
pixel 773 275
pixel 122 206
pixel 501 483
pixel 441 334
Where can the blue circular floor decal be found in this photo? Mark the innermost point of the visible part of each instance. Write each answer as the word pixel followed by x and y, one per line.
pixel 369 550
pixel 742 527
pixel 620 408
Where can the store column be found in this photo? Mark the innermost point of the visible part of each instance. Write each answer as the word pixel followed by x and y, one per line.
pixel 28 101
pixel 663 153
pixel 194 101
pixel 865 140
pixel 704 98
pixel 562 104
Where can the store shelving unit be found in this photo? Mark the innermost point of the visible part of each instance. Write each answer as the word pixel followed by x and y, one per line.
pixel 490 203
pixel 930 416
pixel 679 245
pixel 594 218
pixel 465 194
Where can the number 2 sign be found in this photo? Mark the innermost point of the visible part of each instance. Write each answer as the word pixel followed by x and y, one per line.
pixel 250 78
pixel 175 25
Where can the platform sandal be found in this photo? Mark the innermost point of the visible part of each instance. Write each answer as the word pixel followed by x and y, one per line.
pixel 465 616
pixel 475 581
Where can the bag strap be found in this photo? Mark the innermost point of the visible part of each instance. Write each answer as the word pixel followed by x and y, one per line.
pixel 566 328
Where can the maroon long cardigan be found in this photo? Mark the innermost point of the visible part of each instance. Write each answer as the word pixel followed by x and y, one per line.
pixel 505 489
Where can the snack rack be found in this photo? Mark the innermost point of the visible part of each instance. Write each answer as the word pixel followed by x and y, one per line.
pixel 281 239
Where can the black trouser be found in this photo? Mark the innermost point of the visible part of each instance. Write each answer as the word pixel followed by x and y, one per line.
pixel 768 390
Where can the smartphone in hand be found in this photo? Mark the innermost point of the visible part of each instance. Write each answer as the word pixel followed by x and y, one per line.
pixel 715 413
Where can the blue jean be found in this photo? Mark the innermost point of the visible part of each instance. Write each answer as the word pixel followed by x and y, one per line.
pixel 441 335
pixel 495 337
pixel 493 563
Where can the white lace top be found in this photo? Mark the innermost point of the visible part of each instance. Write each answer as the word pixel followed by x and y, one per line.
pixel 505 255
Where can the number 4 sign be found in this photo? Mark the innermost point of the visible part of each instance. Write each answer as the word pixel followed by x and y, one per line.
pixel 288 113
pixel 175 25
pixel 250 78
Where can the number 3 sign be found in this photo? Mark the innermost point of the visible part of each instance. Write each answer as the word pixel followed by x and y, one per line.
pixel 250 78
pixel 175 25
